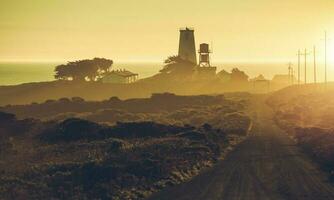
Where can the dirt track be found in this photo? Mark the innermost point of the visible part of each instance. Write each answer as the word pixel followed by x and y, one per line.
pixel 267 165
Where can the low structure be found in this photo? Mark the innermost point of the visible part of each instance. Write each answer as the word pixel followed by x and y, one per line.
pixel 206 72
pixel 281 81
pixel 119 76
pixel 284 79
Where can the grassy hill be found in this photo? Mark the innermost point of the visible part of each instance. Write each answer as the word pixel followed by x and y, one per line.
pixel 117 149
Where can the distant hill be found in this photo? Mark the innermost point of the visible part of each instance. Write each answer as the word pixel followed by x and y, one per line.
pixel 40 92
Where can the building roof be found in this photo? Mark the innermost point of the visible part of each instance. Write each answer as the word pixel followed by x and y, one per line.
pixel 259 78
pixel 120 72
pixel 281 77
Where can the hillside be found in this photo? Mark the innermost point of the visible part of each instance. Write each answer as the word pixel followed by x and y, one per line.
pixel 307 114
pixel 97 91
pixel 128 156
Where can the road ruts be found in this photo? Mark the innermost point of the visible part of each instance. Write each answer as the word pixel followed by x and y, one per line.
pixel 266 166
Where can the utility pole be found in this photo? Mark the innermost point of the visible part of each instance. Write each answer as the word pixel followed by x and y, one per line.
pixel 326 41
pixel 299 54
pixel 305 54
pixel 315 65
pixel 325 57
pixel 290 72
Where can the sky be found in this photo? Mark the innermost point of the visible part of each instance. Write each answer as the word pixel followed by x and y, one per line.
pixel 147 30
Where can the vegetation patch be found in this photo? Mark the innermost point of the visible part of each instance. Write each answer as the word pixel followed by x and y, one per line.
pixel 307 116
pixel 115 153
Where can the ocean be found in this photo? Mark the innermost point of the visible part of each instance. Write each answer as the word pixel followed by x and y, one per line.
pixel 12 73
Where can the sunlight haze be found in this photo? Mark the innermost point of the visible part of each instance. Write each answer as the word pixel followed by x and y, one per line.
pixel 125 30
pixel 167 99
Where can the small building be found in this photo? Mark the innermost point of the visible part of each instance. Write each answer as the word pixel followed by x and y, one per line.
pixel 260 84
pixel 284 79
pixel 119 76
pixel 206 72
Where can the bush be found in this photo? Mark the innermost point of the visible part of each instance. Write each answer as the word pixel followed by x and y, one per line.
pixel 193 135
pixel 78 129
pixel 49 101
pixel 142 130
pixel 6 117
pixel 10 126
pixel 71 130
pixel 319 143
pixel 64 100
pixel 78 99
pixel 235 123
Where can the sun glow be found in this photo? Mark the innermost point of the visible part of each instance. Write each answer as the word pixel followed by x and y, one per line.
pixel 330 53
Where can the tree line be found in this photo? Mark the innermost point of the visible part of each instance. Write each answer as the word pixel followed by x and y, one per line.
pixel 83 70
pixel 93 69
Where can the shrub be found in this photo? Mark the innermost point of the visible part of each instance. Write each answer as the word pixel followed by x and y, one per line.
pixel 71 130
pixel 64 100
pixel 6 117
pixel 193 135
pixel 78 99
pixel 142 129
pixel 319 143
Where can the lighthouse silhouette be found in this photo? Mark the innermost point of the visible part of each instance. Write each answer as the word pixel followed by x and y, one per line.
pixel 187 48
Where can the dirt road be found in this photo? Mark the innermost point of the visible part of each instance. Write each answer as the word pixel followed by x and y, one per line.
pixel 268 165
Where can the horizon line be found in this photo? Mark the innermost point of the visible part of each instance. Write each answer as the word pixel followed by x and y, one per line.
pixel 151 61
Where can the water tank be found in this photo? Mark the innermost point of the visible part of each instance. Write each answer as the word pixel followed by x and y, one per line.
pixel 205 58
pixel 204 48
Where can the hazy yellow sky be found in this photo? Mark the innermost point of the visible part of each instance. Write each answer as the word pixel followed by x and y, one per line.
pixel 143 30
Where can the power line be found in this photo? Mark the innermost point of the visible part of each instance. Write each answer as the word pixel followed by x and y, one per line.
pixel 326 39
pixel 306 53
pixel 290 73
pixel 325 57
pixel 315 64
pixel 299 54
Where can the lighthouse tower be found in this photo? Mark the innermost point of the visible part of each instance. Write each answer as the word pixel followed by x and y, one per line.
pixel 187 48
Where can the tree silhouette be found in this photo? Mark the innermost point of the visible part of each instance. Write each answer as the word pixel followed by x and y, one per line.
pixel 177 65
pixel 238 76
pixel 103 64
pixel 83 69
pixel 62 72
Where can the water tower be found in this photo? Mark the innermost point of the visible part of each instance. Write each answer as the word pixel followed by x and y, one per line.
pixel 204 55
pixel 187 48
pixel 204 69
